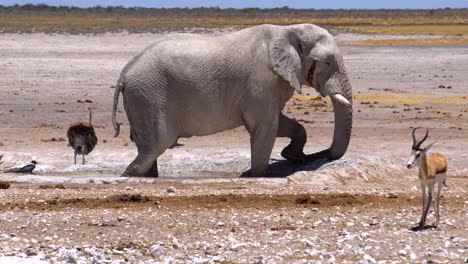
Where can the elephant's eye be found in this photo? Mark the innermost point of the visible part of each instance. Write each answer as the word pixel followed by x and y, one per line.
pixel 328 63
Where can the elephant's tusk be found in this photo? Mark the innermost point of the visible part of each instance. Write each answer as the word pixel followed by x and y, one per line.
pixel 340 98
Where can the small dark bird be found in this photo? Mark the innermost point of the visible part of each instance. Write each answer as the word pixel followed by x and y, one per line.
pixel 82 137
pixel 25 169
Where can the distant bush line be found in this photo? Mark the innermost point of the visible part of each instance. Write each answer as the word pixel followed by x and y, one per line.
pixel 65 19
pixel 44 10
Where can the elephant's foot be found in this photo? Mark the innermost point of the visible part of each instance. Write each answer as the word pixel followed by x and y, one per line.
pixel 132 172
pixel 149 175
pixel 293 155
pixel 251 174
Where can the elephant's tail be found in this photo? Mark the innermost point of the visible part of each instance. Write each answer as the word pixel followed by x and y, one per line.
pixel 118 88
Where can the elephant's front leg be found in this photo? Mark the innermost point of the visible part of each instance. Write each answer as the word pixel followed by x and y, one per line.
pixel 297 133
pixel 262 139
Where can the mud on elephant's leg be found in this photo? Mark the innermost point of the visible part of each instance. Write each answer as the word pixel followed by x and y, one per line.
pixel 288 127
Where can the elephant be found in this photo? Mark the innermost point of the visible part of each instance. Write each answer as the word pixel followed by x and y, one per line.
pixel 185 85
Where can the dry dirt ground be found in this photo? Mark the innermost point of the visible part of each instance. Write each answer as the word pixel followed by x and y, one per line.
pixel 359 209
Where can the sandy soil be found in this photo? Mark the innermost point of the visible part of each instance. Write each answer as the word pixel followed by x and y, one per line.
pixel 358 209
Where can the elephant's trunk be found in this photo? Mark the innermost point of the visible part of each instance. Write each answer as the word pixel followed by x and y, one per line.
pixel 339 83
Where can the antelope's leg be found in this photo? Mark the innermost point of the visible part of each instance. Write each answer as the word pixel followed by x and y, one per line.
pixel 430 191
pixel 423 190
pixel 440 179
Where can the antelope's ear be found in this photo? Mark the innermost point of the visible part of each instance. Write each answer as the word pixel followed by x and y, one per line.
pixel 429 146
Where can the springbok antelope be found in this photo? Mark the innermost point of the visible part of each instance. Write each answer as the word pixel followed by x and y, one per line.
pixel 82 137
pixel 432 169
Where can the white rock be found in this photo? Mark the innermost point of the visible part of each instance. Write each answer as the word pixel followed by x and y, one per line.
pixel 98 258
pixel 175 243
pixel 442 251
pixel 70 257
pixel 343 233
pixel 117 252
pixel 313 252
pixel 18 260
pixel 309 243
pixel 457 239
pixel 369 258
pixel 454 256
pixel 158 249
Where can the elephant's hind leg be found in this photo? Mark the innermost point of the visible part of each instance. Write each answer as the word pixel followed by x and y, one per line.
pixel 288 127
pixel 145 164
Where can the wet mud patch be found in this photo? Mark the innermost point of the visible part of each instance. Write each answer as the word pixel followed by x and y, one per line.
pixel 235 201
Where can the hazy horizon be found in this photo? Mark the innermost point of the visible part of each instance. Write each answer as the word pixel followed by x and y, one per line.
pixel 294 4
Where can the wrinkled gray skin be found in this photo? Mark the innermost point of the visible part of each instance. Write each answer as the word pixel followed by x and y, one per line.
pixel 187 85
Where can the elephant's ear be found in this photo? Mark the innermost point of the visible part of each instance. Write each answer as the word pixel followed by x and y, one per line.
pixel 286 61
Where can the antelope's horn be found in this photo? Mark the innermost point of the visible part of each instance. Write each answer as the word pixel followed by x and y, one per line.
pixel 418 145
pixel 414 137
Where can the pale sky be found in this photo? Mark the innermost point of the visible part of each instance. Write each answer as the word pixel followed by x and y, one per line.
pixel 332 4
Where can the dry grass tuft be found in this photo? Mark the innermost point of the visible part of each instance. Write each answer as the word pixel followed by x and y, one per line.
pixel 301 97
pixel 412 98
pixel 4 185
pixel 87 101
pixel 440 22
pixel 52 139
pixel 50 186
pixel 274 18
pixel 418 41
pixel 47 125
pixel 412 28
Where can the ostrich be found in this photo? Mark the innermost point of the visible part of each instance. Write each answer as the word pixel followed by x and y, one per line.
pixel 82 137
